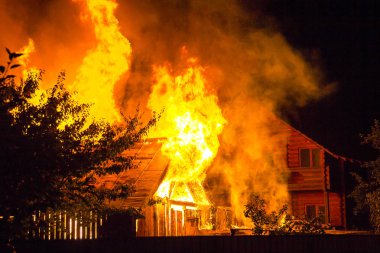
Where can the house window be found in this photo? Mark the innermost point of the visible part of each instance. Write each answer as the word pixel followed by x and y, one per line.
pixel 305 157
pixel 310 158
pixel 313 211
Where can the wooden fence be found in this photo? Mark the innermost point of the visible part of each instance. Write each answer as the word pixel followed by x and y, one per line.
pixel 209 244
pixel 65 226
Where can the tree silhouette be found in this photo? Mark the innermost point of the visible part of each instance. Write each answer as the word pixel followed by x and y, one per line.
pixel 52 153
pixel 366 193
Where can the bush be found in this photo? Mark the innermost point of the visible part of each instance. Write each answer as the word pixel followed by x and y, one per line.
pixel 278 223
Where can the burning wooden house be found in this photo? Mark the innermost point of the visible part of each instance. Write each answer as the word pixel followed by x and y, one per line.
pixel 186 209
pixel 315 186
pixel 170 174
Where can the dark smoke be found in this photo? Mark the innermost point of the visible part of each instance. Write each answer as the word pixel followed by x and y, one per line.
pixel 249 65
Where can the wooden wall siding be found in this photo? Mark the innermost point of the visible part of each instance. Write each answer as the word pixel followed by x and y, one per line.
pixel 159 221
pixel 327 177
pixel 223 219
pixel 177 222
pixel 335 204
pixel 306 179
pixel 146 226
pixel 297 141
pixel 303 198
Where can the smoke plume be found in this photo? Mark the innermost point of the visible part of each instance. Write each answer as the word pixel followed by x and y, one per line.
pixel 249 65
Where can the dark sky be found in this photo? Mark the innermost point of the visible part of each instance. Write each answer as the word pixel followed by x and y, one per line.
pixel 343 38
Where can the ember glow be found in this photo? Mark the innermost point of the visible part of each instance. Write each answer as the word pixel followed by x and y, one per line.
pixel 192 121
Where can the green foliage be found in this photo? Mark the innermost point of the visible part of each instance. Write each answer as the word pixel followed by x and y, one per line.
pixel 4 76
pixel 366 193
pixel 293 226
pixel 263 222
pixel 278 223
pixel 47 163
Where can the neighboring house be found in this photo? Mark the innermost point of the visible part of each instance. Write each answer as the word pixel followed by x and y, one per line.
pixel 317 180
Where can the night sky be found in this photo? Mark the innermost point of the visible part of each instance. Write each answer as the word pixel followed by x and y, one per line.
pixel 343 39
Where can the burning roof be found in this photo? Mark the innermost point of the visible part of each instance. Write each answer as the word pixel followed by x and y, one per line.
pixel 149 174
pixel 151 166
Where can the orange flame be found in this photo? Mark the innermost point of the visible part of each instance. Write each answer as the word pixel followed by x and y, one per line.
pixel 26 51
pixel 105 64
pixel 25 59
pixel 192 121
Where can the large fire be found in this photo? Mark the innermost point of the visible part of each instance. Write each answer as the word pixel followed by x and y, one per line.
pixel 250 71
pixel 102 67
pixel 104 64
pixel 191 120
pixel 26 51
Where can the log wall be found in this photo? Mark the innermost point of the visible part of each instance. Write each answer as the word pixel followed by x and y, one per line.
pixel 297 141
pixel 318 198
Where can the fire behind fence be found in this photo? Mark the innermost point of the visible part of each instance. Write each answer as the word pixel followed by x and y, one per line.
pixel 63 225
